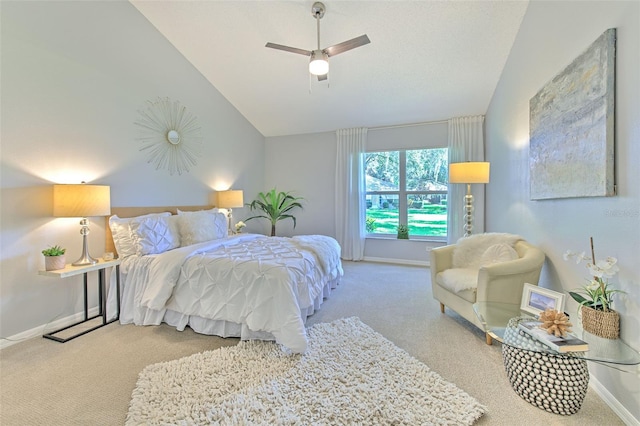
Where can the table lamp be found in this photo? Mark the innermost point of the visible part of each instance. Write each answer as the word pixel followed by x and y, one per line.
pixel 468 173
pixel 82 201
pixel 230 199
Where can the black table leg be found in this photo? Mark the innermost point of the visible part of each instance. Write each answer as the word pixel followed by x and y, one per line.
pixel 102 307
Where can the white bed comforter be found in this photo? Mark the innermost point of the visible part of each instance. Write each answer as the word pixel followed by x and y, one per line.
pixel 263 283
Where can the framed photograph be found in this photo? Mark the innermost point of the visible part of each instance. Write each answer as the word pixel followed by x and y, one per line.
pixel 537 299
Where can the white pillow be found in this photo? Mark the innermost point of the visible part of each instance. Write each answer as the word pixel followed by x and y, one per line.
pixel 121 232
pixel 212 211
pixel 498 253
pixel 469 250
pixel 152 235
pixel 204 225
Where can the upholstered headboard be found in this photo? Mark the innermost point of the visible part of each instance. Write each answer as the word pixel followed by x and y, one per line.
pixel 138 211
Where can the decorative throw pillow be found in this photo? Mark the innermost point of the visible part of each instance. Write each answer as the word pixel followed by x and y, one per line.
pixel 121 232
pixel 469 250
pixel 153 235
pixel 200 226
pixel 212 211
pixel 498 253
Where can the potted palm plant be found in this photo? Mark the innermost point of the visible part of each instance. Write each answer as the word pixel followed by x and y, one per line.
pixel 275 206
pixel 54 258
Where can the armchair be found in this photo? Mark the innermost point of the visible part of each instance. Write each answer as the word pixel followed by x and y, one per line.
pixel 491 267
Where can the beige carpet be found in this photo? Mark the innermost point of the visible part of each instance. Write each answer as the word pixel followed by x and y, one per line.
pixel 89 380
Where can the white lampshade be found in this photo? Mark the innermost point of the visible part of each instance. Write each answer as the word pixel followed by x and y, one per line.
pixel 469 172
pixel 319 63
pixel 230 199
pixel 81 200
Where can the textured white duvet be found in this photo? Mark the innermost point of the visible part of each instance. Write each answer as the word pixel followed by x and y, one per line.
pixel 265 285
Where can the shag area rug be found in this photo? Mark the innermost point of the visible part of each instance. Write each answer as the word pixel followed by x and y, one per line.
pixel 349 375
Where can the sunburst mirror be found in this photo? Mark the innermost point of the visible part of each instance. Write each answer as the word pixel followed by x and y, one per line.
pixel 170 135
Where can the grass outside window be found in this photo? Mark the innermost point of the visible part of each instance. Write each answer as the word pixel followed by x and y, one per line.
pixel 428 221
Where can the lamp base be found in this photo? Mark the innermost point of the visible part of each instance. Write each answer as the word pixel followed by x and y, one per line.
pixel 229 216
pixel 85 260
pixel 468 215
pixel 85 257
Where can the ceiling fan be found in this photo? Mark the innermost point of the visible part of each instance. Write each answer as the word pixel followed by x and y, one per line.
pixel 319 62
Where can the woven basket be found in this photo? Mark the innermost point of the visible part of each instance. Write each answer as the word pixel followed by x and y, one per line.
pixel 601 323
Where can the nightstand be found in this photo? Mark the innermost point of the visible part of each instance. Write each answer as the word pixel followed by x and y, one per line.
pixel 70 271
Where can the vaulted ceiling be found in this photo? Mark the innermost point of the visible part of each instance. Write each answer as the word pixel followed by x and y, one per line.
pixel 427 60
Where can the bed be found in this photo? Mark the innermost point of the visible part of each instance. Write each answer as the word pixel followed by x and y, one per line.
pixel 180 267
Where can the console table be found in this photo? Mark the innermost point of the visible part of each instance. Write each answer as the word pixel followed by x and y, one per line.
pixel 553 381
pixel 69 271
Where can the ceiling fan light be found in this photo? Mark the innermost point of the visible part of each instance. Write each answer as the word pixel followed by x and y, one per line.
pixel 319 63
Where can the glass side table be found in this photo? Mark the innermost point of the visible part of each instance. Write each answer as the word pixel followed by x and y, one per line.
pixel 553 381
pixel 495 319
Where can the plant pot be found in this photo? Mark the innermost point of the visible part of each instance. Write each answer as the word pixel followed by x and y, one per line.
pixel 601 323
pixel 52 263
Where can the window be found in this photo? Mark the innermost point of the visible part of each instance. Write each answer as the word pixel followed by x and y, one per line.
pixel 407 187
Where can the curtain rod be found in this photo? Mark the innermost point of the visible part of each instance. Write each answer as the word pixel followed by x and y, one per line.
pixel 407 125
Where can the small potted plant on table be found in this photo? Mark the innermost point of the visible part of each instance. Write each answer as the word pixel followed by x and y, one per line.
pixel 54 258
pixel 239 227
pixel 403 232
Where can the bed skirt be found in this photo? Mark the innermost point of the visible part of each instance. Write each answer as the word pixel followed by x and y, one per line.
pixel 145 316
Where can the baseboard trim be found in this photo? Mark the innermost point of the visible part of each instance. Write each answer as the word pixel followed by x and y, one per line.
pixel 45 328
pixel 396 261
pixel 612 402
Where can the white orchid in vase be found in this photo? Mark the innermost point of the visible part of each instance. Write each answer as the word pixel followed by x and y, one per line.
pixel 597 294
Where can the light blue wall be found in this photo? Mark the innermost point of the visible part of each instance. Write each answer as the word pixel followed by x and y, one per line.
pixel 552 35
pixel 306 163
pixel 74 75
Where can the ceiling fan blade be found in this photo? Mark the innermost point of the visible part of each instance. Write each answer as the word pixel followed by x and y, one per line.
pixel 289 49
pixel 323 77
pixel 347 45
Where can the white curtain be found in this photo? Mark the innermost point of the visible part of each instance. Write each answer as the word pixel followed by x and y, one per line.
pixel 350 192
pixel 466 143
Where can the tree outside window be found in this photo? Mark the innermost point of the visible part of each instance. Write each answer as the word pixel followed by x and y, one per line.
pixel 407 187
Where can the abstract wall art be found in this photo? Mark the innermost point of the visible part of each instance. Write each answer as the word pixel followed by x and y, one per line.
pixel 571 119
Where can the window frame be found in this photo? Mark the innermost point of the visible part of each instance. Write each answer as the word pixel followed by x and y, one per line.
pixel 402 193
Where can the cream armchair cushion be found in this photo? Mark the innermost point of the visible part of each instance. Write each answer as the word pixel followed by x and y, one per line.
pixel 464 276
pixel 483 268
